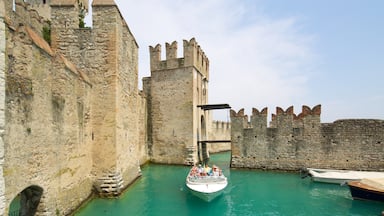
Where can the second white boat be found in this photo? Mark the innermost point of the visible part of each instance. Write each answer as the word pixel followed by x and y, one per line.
pixel 340 176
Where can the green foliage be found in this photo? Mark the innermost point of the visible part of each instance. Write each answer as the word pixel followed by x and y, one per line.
pixel 81 20
pixel 47 34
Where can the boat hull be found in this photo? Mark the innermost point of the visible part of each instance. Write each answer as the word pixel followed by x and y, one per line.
pixel 340 176
pixel 363 192
pixel 329 180
pixel 207 190
pixel 208 197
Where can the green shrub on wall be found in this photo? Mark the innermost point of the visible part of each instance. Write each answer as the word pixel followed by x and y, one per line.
pixel 47 34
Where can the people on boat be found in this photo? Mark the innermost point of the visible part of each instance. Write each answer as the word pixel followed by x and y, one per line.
pixel 199 171
pixel 207 170
pixel 215 171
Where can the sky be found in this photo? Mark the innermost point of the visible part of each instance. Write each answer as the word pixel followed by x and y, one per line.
pixel 275 53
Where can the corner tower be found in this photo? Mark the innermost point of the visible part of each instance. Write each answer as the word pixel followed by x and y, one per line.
pixel 177 86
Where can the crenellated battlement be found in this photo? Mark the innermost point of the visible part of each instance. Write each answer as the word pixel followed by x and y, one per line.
pixel 221 125
pixel 193 57
pixel 240 113
pixel 263 112
pixel 82 3
pixel 239 119
pixel 315 111
pixel 295 141
pixel 259 118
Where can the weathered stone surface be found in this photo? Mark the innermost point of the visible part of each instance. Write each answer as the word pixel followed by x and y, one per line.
pixel 177 86
pixel 110 185
pixel 292 142
pixel 2 105
pixel 220 131
pixel 72 110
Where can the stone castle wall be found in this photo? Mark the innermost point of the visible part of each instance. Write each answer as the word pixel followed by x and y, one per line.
pixel 2 104
pixel 47 131
pixel 220 131
pixel 293 142
pixel 74 117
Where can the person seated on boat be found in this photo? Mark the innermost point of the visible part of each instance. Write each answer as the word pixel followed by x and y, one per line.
pixel 208 170
pixel 215 170
pixel 193 171
pixel 200 170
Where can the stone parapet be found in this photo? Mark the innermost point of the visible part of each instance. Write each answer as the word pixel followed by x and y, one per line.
pixel 103 3
pixel 193 57
pixel 292 142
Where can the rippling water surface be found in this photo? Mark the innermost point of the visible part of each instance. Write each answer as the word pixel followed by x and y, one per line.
pixel 162 191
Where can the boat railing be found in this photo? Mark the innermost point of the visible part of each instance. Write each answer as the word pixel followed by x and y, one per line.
pixel 206 179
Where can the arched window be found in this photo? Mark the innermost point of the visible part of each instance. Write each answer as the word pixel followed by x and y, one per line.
pixel 26 202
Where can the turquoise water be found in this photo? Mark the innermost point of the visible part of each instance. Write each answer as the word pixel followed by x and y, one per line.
pixel 162 191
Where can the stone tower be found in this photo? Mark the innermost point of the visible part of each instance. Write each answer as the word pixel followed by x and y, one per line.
pixel 108 53
pixel 72 119
pixel 175 89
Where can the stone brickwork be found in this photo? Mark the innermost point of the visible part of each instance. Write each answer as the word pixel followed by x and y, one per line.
pixel 296 141
pixel 111 183
pixel 220 130
pixel 48 130
pixel 176 87
pixel 2 105
pixel 75 121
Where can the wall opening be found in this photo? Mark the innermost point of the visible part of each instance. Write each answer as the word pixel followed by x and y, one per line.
pixel 204 149
pixel 26 202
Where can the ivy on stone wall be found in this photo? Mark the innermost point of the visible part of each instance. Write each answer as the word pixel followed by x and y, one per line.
pixel 81 20
pixel 47 33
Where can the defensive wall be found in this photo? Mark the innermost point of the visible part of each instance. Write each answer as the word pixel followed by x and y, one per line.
pixel 296 141
pixel 220 130
pixel 72 120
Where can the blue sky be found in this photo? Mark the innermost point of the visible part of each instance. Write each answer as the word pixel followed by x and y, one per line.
pixel 268 53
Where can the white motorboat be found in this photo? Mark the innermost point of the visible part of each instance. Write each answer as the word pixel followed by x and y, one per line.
pixel 204 184
pixel 340 176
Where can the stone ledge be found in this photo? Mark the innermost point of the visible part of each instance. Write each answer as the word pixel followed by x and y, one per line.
pixel 63 2
pixel 103 3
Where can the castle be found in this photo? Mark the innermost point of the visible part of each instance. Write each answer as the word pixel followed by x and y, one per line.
pixel 73 121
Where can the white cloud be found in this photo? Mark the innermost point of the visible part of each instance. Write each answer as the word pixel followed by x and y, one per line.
pixel 255 61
